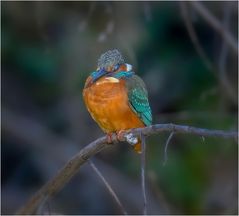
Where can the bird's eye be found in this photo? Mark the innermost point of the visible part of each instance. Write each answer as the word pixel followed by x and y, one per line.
pixel 116 67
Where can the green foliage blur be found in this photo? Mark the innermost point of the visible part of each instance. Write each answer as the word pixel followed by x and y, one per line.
pixel 48 50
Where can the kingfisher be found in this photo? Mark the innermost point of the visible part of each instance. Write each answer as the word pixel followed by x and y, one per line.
pixel 116 97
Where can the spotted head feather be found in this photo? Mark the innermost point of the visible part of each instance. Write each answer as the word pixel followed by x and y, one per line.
pixel 109 59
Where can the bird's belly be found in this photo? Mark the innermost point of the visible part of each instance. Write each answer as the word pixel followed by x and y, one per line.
pixel 109 107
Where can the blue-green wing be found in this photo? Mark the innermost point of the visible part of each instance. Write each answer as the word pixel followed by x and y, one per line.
pixel 138 98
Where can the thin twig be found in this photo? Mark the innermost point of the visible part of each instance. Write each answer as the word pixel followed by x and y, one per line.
pixel 193 36
pixel 224 48
pixel 40 209
pixel 211 20
pixel 110 189
pixel 147 11
pixel 210 66
pixel 224 53
pixel 166 148
pixel 48 207
pixel 73 165
pixel 143 146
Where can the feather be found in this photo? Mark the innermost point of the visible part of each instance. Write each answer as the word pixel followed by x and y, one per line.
pixel 138 98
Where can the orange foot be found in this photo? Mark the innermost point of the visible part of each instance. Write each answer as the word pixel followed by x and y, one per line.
pixel 121 135
pixel 109 138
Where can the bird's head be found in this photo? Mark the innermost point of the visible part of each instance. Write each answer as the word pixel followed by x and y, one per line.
pixel 109 63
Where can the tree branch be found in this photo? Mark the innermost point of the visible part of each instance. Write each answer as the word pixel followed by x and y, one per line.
pixel 73 165
pixel 211 20
pixel 166 148
pixel 193 35
pixel 210 66
pixel 143 159
pixel 223 56
pixel 33 133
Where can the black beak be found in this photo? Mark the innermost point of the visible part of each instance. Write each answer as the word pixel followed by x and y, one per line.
pixel 98 74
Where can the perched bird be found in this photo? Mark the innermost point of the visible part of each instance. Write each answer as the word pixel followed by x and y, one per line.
pixel 116 98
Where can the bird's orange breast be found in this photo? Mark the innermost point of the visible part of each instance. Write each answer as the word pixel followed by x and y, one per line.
pixel 107 102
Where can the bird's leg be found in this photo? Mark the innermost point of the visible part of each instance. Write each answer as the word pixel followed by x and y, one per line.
pixel 109 138
pixel 120 135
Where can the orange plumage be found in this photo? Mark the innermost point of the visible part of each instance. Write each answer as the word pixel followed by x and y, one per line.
pixel 107 102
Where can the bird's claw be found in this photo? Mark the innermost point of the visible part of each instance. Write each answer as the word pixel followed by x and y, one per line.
pixel 121 135
pixel 109 138
pixel 125 135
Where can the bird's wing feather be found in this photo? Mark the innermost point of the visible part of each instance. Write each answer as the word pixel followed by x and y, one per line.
pixel 138 98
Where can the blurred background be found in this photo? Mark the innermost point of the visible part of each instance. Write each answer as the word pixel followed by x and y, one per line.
pixel 48 50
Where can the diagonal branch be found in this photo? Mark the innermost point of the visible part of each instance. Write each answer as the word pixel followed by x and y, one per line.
pixel 210 66
pixel 72 166
pixel 211 20
pixel 193 35
pixel 34 133
pixel 224 54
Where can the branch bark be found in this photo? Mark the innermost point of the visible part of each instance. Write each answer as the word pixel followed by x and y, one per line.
pixel 42 141
pixel 73 165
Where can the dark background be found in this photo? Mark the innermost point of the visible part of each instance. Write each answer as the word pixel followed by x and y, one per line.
pixel 49 48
